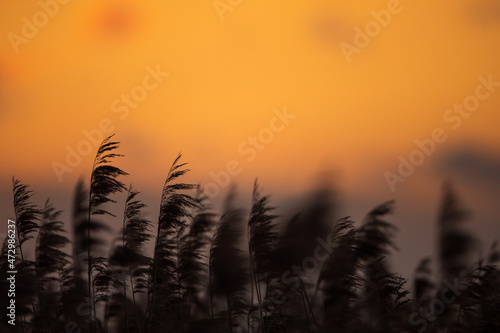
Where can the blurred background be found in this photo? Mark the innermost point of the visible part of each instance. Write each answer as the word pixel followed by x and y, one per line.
pixel 231 66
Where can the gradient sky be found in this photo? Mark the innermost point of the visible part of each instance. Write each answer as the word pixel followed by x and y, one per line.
pixel 227 76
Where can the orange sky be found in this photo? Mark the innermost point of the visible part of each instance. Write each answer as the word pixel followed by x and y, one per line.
pixel 227 76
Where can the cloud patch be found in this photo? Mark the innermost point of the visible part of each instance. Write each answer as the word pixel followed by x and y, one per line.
pixel 472 165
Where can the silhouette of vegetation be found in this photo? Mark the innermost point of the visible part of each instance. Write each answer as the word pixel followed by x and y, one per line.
pixel 245 270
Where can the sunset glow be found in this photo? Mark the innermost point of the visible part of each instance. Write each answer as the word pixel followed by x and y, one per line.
pixel 211 78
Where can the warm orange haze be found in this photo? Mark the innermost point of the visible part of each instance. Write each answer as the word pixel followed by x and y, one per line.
pixel 390 98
